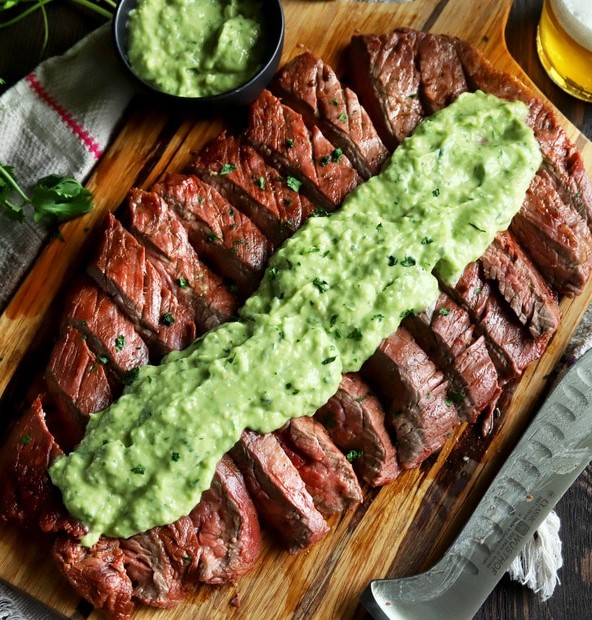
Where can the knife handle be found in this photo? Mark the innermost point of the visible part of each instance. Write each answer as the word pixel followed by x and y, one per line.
pixel 554 450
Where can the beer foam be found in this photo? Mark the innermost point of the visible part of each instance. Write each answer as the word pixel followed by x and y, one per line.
pixel 576 18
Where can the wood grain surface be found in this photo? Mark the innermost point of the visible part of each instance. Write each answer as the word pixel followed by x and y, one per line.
pixel 398 530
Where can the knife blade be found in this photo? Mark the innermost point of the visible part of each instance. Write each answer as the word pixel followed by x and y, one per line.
pixel 553 451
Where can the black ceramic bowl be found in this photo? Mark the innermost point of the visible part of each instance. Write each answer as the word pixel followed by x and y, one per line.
pixel 273 27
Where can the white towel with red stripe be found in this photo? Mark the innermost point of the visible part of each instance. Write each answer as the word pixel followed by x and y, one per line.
pixel 58 119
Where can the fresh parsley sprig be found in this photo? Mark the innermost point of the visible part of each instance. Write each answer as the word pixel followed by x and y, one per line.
pixel 54 197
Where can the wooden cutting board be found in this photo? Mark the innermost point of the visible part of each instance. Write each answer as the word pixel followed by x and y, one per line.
pixel 398 530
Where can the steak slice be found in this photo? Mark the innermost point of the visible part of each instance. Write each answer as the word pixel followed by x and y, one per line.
pixel 219 233
pixel 244 178
pixel 169 250
pixel 448 337
pixel 123 271
pixel 162 562
pixel 511 345
pixel 422 414
pixel 279 494
pixel 327 474
pixel 355 421
pixel 521 285
pixel 97 574
pixel 227 527
pixel 76 377
pixel 555 236
pixel 281 135
pixel 387 80
pixel 106 329
pixel 312 89
pixel 561 157
pixel 27 495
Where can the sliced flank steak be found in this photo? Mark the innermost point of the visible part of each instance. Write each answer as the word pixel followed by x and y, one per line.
pixel 227 527
pixel 219 232
pixel 108 332
pixel 248 182
pixel 304 157
pixel 27 495
pixel 162 563
pixel 533 302
pixel 97 574
pixel 311 88
pixel 76 377
pixel 168 248
pixel 122 269
pixel 447 335
pixel 355 421
pixel 555 236
pixel 326 472
pixel 278 492
pixel 417 396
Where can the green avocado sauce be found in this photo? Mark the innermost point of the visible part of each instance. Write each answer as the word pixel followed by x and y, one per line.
pixel 195 48
pixel 329 296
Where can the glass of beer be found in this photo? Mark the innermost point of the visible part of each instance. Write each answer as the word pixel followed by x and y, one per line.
pixel 564 45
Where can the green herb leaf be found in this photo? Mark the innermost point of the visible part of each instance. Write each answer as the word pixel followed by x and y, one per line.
pixel 139 469
pixel 182 282
pixel 120 342
pixel 293 183
pixel 444 311
pixel 322 285
pixel 227 169
pixel 25 439
pixel 408 261
pixel 352 455
pixel 167 319
pixel 328 360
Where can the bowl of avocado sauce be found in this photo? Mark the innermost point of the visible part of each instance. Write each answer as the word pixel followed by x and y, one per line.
pixel 201 52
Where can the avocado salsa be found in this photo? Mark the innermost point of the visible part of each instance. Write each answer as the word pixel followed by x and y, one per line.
pixel 329 296
pixel 196 48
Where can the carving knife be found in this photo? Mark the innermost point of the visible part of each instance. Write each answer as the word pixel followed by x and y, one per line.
pixel 554 450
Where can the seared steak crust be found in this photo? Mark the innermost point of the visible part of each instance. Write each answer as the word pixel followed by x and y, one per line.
pixel 244 178
pixel 312 89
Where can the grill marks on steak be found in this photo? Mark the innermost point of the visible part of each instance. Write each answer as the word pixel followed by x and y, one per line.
pixel 278 492
pixel 521 285
pixel 312 89
pixel 218 231
pixel 169 250
pixel 327 474
pixel 243 177
pixel 226 526
pixel 355 421
pixel 555 236
pixel 416 395
pixel 123 271
pixel 281 135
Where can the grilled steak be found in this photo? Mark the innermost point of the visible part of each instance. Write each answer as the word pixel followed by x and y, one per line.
pixel 278 491
pixel 169 250
pixel 387 81
pixel 417 395
pixel 243 177
pixel 107 331
pixel 312 89
pixel 162 562
pixel 327 474
pixel 97 574
pixel 555 236
pixel 521 285
pixel 227 527
pixel 218 232
pixel 27 496
pixel 123 271
pixel 448 337
pixel 76 377
pixel 354 419
pixel 306 157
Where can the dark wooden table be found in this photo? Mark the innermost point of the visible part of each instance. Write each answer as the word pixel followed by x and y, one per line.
pixel 20 52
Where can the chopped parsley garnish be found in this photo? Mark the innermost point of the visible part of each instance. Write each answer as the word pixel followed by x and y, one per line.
pixel 130 375
pixel 355 334
pixel 392 261
pixel 261 182
pixel 334 101
pixel 352 455
pixel 293 183
pixel 444 311
pixel 139 469
pixel 320 212
pixel 175 456
pixel 408 261
pixel 322 285
pixel 427 241
pixel 342 117
pixel 227 169
pixel 25 439
pixel 477 227
pixel 407 313
pixel 120 342
pixel 182 282
pixel 102 359
pixel 333 320
pixel 325 160
pixel 328 360
pixel 436 192
pixel 289 143
pixel 337 154
pixel 378 317
pixel 167 319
